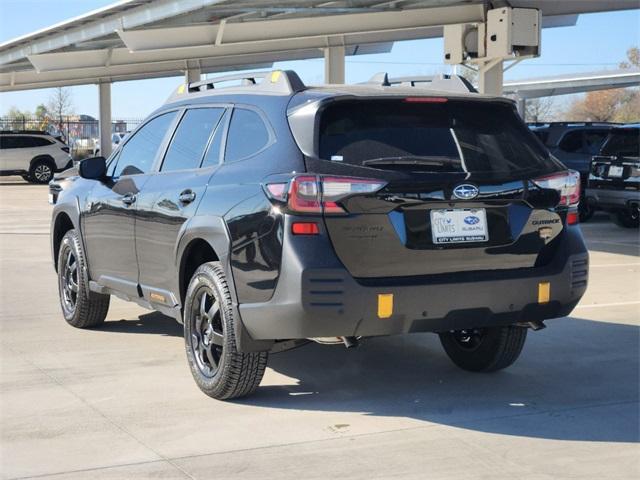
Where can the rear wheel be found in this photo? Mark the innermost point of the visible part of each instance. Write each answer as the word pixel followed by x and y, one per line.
pixel 585 210
pixel 626 218
pixel 41 171
pixel 216 365
pixel 484 349
pixel 81 307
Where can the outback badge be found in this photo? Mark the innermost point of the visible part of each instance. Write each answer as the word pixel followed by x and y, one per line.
pixel 465 191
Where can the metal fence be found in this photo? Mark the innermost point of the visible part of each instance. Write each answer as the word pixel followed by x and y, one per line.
pixel 80 132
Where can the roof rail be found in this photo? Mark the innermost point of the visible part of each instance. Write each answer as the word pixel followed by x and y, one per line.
pixel 441 82
pixel 277 81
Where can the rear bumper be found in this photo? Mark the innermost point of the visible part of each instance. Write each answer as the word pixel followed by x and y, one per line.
pixel 317 297
pixel 612 199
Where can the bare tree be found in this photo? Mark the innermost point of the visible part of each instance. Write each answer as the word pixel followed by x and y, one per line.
pixel 540 109
pixel 60 102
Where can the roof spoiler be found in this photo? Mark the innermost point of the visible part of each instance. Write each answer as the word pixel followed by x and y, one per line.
pixel 276 81
pixel 441 82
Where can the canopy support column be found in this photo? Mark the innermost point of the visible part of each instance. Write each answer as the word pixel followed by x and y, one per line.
pixel 334 64
pixel 490 77
pixel 104 92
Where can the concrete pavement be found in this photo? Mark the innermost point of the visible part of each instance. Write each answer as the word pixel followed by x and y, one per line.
pixel 119 402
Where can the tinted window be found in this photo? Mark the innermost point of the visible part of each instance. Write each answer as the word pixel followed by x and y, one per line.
pixel 138 154
pixel 191 138
pixel 24 142
pixel 593 140
pixel 624 143
pixel 247 135
pixel 212 156
pixel 454 136
pixel 571 142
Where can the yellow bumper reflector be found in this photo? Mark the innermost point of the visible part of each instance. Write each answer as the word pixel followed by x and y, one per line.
pixel 385 305
pixel 544 292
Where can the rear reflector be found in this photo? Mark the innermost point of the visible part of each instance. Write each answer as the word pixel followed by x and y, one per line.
pixel 385 305
pixel 305 228
pixel 573 218
pixel 544 292
pixel 426 100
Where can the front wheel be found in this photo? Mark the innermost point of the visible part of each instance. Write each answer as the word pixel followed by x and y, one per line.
pixel 81 307
pixel 626 218
pixel 484 349
pixel 217 367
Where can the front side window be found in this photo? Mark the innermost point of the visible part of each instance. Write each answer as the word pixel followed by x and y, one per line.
pixel 138 154
pixel 191 138
pixel 247 135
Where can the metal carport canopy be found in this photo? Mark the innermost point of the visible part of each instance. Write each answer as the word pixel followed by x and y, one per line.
pixel 573 83
pixel 135 39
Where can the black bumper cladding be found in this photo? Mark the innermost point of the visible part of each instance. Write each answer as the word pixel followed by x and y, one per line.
pixel 317 297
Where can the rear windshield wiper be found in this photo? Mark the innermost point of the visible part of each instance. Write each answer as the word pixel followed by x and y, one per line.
pixel 413 160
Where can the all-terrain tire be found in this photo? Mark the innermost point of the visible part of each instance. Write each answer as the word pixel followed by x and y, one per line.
pixel 223 372
pixel 81 307
pixel 494 349
pixel 626 218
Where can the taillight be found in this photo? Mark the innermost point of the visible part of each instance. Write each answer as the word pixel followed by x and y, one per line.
pixel 567 184
pixel 318 194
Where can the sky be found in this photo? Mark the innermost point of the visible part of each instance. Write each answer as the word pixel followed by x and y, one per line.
pixel 599 41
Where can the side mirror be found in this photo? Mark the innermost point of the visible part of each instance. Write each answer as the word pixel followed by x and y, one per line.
pixel 93 168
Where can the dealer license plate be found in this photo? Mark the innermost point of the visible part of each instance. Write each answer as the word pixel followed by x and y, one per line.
pixel 459 225
pixel 615 171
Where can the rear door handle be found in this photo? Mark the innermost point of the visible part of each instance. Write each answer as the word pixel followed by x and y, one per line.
pixel 187 196
pixel 129 199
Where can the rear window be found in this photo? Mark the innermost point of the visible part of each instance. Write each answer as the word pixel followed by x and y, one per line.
pixel 624 143
pixel 453 136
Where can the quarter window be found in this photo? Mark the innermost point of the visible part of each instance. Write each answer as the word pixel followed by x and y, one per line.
pixel 247 135
pixel 191 138
pixel 138 154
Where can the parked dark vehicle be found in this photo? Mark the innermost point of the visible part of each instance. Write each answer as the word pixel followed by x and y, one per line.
pixel 574 143
pixel 269 214
pixel 614 182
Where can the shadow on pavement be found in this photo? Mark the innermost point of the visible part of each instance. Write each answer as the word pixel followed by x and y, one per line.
pixel 576 380
pixel 153 323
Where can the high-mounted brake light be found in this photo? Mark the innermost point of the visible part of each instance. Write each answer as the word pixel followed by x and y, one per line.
pixel 426 100
pixel 566 183
pixel 319 194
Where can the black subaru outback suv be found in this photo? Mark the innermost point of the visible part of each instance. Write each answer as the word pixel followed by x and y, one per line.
pixel 273 213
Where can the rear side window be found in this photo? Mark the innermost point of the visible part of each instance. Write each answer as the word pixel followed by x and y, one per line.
pixel 24 142
pixel 138 154
pixel 191 138
pixel 449 136
pixel 247 135
pixel 623 143
pixel 593 140
pixel 571 142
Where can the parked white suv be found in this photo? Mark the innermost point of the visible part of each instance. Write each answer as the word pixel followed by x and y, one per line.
pixel 34 155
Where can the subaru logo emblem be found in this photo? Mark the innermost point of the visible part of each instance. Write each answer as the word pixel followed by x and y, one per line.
pixel 466 192
pixel 471 220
